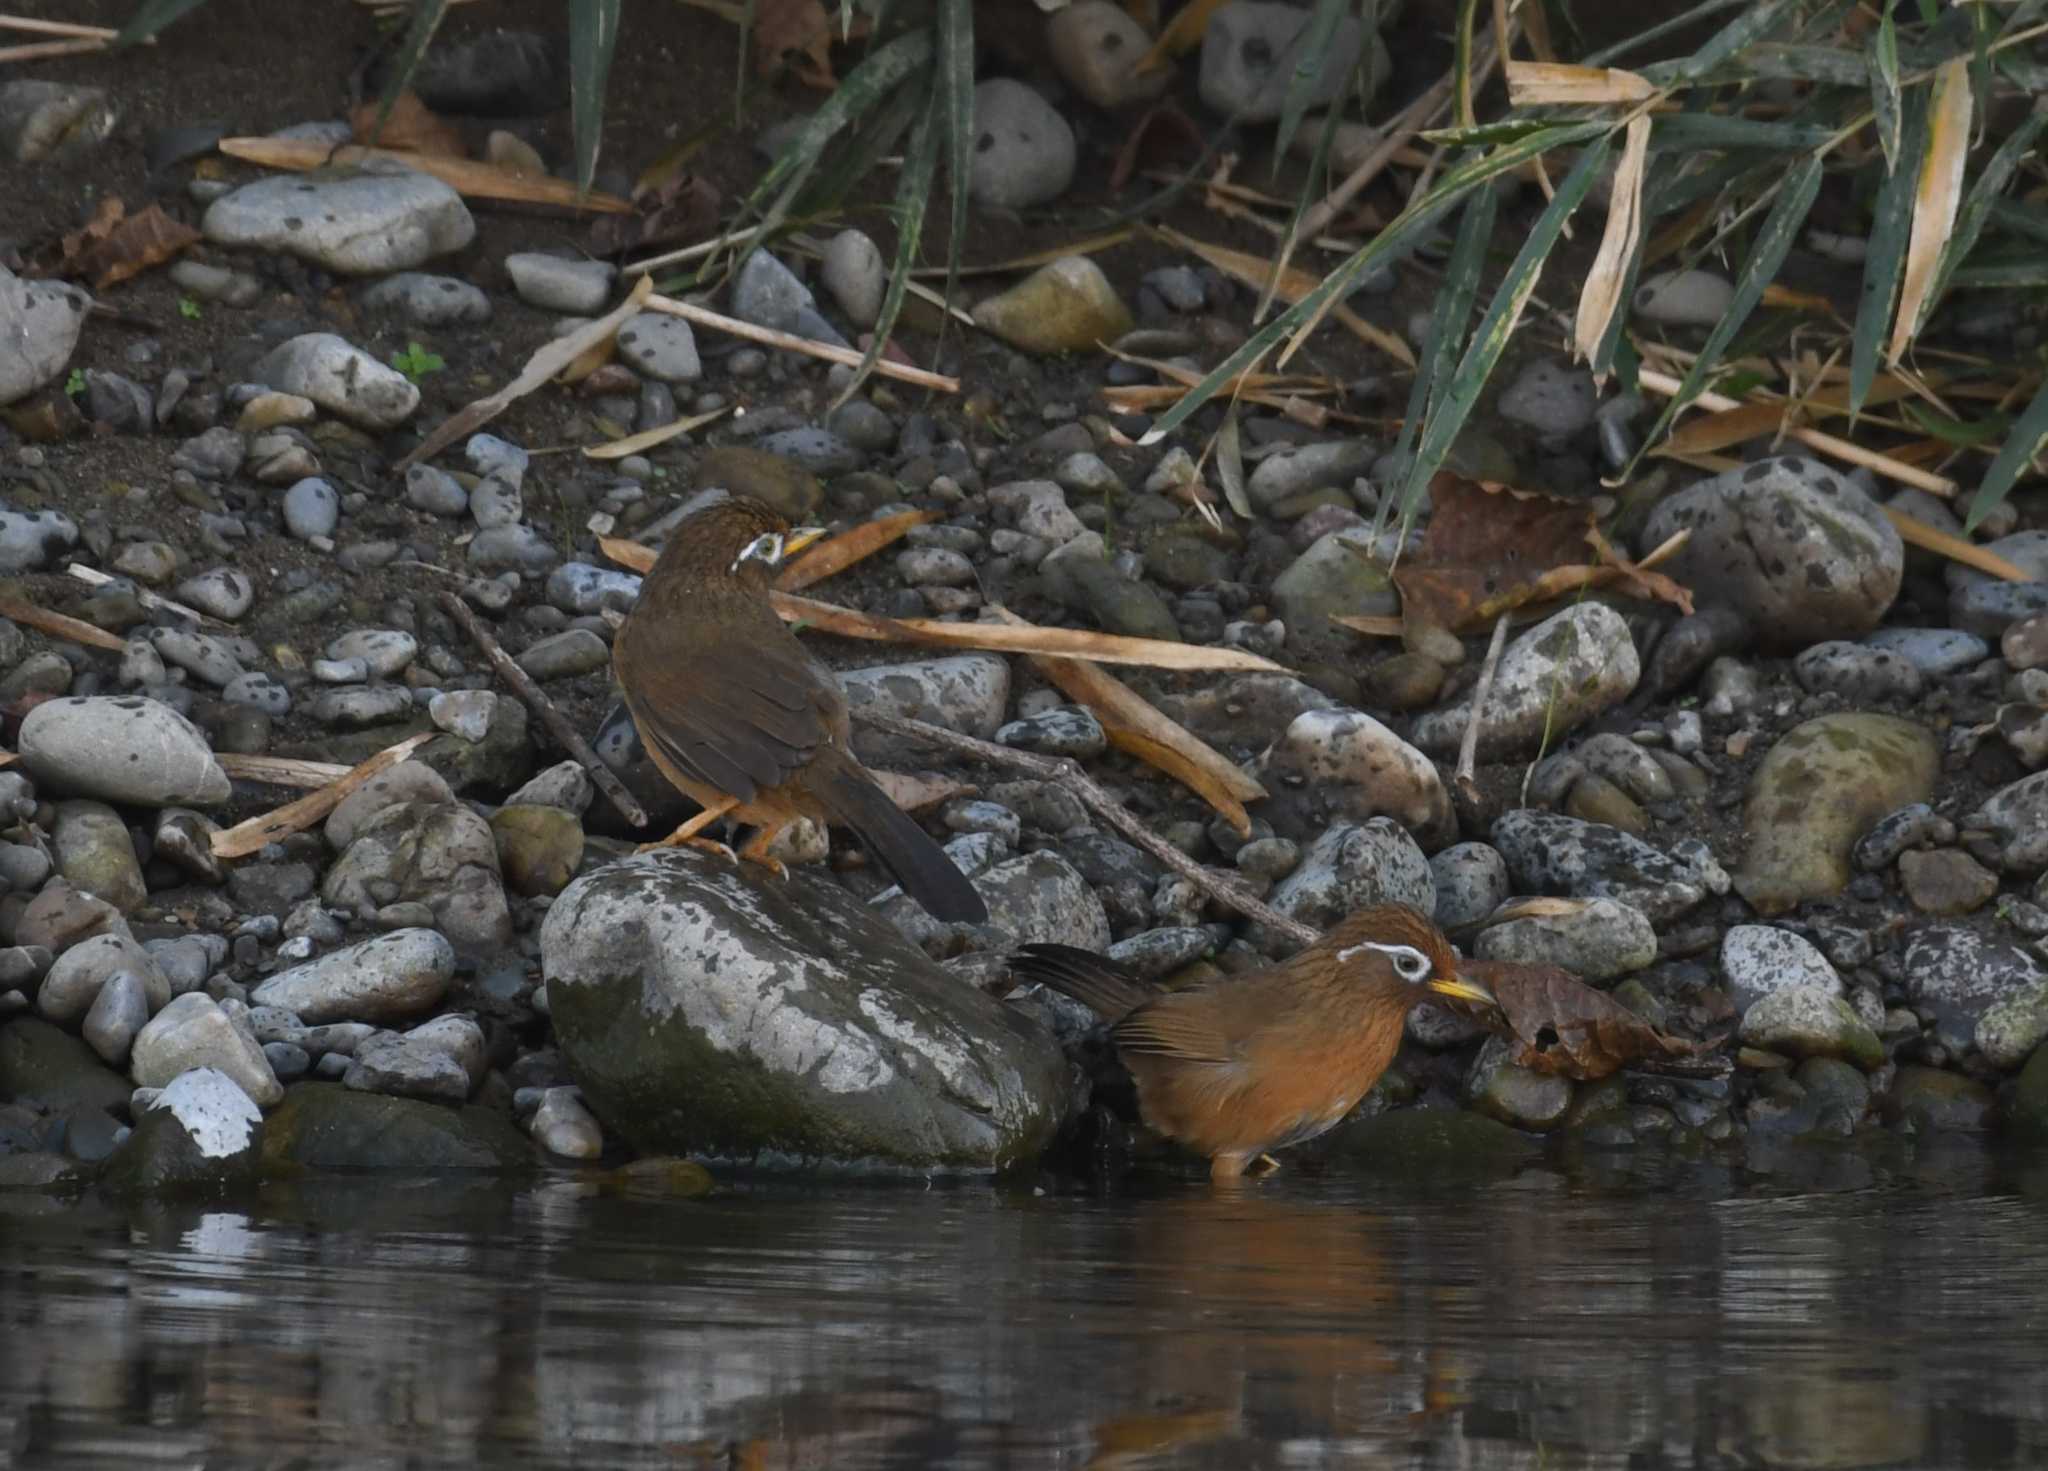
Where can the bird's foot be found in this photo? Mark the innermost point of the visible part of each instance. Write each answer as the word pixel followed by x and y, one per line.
pixel 774 865
pixel 708 845
pixel 1265 1164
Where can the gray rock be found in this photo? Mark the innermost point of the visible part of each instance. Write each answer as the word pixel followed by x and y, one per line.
pixel 117 1014
pixel 1807 1021
pixel 1042 898
pixel 1798 549
pixel 341 378
pixel 1555 400
pixel 1684 298
pixel 853 271
pixel 1303 468
pixel 565 655
pixel 1064 730
pixel 324 1127
pixel 357 223
pixel 201 1135
pixel 195 1031
pixel 1550 854
pixel 1601 940
pixel 1097 47
pixel 564 1127
pixel 121 749
pixel 1962 976
pixel 769 294
pixel 390 978
pixel 404 1068
pixel 1329 579
pixel 463 713
pixel 967 693
pixel 428 301
pixel 259 691
pixel 440 855
pixel 90 845
pixel 2013 825
pixel 42 120
pixel 705 1011
pixel 662 347
pixel 1471 882
pixel 75 978
pixel 224 592
pixel 1563 672
pixel 198 654
pixel 408 781
pixel 1860 674
pixel 1251 49
pixel 521 549
pixel 1758 959
pixel 359 709
pixel 1935 652
pixel 558 284
pixel 387 651
pixel 817 450
pixel 312 507
pixel 1357 768
pixel 32 540
pixel 40 322
pixel 1353 865
pixel 1023 153
pixel 1817 792
pixel 426 489
pixel 1498 1087
pixel 496 501
pixel 579 588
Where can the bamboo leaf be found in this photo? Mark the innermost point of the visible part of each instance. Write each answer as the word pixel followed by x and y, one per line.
pixel 1885 261
pixel 1936 196
pixel 151 17
pixel 1601 298
pixel 913 188
pixel 1884 87
pixel 1230 466
pixel 1490 338
pixel 1309 61
pixel 1406 228
pixel 1725 43
pixel 1976 209
pixel 955 73
pixel 1690 132
pixel 1446 336
pixel 2012 460
pixel 1662 29
pixel 1562 84
pixel 2021 274
pixel 593 35
pixel 1773 241
pixel 426 19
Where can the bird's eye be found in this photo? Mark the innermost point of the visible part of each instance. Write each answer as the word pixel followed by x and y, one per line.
pixel 765 548
pixel 1410 964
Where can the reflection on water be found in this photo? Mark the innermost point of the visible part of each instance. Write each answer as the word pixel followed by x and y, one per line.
pixel 1538 1322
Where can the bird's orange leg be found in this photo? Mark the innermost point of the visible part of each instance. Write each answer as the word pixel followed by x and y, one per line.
pixel 687 833
pixel 756 849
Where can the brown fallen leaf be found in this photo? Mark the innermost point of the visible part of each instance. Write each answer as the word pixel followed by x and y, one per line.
pixel 1491 548
pixel 1162 137
pixel 680 211
pixel 830 558
pixel 1567 1028
pixel 797 35
pixel 116 246
pixel 412 127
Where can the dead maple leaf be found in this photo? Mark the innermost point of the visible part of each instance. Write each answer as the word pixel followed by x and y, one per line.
pixel 680 211
pixel 413 127
pixel 797 35
pixel 115 245
pixel 1567 1028
pixel 1161 138
pixel 1491 548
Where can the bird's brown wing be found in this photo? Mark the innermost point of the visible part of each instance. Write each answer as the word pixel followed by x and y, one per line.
pixel 736 715
pixel 1173 1027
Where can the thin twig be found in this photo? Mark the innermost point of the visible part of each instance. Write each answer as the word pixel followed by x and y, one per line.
pixel 1070 776
pixel 1467 774
pixel 558 724
pixel 790 342
pixel 93 577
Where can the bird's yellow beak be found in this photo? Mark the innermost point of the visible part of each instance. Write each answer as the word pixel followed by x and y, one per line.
pixel 800 539
pixel 1460 989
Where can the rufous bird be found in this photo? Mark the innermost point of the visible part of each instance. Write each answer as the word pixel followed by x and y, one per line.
pixel 1235 1067
pixel 738 715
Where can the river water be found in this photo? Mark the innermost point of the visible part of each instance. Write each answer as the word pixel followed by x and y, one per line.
pixel 1605 1316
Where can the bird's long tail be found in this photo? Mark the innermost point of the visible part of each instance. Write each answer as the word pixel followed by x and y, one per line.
pixel 851 798
pixel 1098 983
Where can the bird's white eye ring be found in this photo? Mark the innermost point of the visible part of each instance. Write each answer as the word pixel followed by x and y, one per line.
pixel 767 547
pixel 1409 963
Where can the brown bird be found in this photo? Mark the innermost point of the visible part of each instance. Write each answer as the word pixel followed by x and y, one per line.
pixel 742 719
pixel 1236 1067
